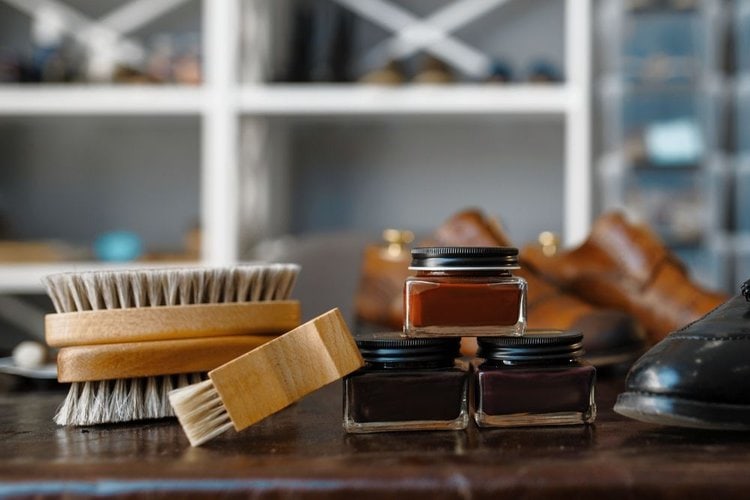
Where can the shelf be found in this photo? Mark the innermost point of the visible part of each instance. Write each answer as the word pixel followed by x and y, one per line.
pixel 27 278
pixel 479 99
pixel 44 99
pixel 289 100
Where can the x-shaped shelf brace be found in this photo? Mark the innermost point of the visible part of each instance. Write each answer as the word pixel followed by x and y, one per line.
pixel 105 38
pixel 431 34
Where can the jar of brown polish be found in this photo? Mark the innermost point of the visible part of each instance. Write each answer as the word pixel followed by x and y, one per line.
pixel 464 291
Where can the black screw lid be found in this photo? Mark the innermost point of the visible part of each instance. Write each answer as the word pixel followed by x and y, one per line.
pixel 392 350
pixel 534 346
pixel 464 257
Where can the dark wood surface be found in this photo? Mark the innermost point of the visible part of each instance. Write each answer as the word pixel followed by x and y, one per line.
pixel 303 451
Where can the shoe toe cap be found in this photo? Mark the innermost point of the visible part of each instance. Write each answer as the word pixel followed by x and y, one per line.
pixel 702 369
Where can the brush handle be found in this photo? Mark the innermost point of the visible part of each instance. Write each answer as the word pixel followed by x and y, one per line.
pixel 278 373
pixel 150 359
pixel 113 326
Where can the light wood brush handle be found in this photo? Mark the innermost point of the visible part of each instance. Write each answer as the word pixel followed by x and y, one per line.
pixel 267 379
pixel 149 359
pixel 138 324
pixel 278 373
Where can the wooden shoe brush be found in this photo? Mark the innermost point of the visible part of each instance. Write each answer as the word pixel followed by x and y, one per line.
pixel 267 379
pixel 129 337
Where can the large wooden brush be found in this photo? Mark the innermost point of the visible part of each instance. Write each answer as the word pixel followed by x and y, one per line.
pixel 127 338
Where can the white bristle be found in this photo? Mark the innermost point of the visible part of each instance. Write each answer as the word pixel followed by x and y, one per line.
pixel 166 386
pixel 230 286
pixel 185 295
pixel 154 292
pixel 72 292
pixel 124 400
pixel 270 283
pixel 200 411
pixel 199 282
pixel 152 400
pixel 122 286
pixel 93 295
pixel 217 287
pixel 77 291
pixel 255 285
pixel 139 289
pixel 242 284
pixel 108 289
pixel 91 403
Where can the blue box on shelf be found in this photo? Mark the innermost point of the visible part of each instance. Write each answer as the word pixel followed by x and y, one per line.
pixel 657 43
pixel 742 36
pixel 663 125
pixel 742 115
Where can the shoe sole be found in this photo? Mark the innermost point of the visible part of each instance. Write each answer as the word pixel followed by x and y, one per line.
pixel 668 410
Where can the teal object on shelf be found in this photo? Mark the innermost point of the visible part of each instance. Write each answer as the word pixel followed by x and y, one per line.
pixel 118 246
pixel 674 142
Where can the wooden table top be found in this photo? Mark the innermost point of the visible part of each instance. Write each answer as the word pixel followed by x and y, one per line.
pixel 304 451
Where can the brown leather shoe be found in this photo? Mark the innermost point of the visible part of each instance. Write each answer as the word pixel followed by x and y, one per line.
pixel 610 336
pixel 626 267
pixel 379 301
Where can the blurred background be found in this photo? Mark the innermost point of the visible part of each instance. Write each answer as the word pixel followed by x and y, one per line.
pixel 213 131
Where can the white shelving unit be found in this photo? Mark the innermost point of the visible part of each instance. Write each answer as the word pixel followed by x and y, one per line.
pixel 342 100
pixel 26 100
pixel 222 101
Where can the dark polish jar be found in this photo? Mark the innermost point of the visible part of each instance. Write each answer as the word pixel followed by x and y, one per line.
pixel 407 384
pixel 464 291
pixel 537 379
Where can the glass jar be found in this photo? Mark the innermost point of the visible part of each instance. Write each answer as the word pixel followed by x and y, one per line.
pixel 537 379
pixel 464 291
pixel 407 384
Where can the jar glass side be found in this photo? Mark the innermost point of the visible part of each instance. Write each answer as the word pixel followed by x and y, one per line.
pixel 378 400
pixel 451 303
pixel 533 395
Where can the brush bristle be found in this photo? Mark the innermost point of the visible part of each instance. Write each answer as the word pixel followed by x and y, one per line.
pixel 95 290
pixel 90 403
pixel 200 411
pixel 122 400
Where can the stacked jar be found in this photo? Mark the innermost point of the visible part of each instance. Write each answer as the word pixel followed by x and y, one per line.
pixel 417 380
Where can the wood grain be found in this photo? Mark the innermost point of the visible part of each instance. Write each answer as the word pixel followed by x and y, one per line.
pixel 303 453
pixel 146 359
pixel 284 370
pixel 113 326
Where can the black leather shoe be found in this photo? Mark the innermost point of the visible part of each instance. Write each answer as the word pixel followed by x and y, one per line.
pixel 698 376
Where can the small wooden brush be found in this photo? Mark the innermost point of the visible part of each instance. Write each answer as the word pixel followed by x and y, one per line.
pixel 267 379
pixel 129 337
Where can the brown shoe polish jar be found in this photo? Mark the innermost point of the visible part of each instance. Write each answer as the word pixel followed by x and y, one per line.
pixel 536 379
pixel 464 291
pixel 407 384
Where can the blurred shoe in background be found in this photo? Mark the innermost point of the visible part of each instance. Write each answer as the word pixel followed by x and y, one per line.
pixel 610 335
pixel 626 267
pixel 379 301
pixel 390 74
pixel 434 71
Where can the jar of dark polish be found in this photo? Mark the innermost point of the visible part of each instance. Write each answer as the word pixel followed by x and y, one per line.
pixel 407 384
pixel 538 379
